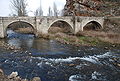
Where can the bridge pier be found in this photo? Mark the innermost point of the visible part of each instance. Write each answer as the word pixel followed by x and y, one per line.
pixel 2 33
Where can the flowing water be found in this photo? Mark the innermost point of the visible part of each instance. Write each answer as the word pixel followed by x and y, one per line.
pixel 53 61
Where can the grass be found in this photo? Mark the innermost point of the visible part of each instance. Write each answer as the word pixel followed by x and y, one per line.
pixel 88 40
pixel 66 39
pixel 108 36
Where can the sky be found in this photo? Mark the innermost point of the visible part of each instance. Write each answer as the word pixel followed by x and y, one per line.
pixel 6 9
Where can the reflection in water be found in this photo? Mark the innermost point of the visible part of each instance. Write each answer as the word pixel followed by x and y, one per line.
pixel 20 40
pixel 14 42
pixel 53 61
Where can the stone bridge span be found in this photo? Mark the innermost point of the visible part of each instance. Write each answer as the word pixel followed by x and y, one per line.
pixel 42 24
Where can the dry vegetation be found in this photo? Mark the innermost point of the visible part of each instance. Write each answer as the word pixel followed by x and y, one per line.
pixel 25 30
pixel 109 35
pixel 54 30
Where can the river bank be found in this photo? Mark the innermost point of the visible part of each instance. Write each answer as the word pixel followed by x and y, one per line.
pixel 14 76
pixel 108 36
pixel 54 61
pixel 87 38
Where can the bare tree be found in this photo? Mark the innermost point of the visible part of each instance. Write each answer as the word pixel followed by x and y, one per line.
pixel 19 6
pixel 55 9
pixel 36 12
pixel 61 12
pixel 50 13
pixel 39 11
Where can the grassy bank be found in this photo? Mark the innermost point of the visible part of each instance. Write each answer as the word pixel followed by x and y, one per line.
pixel 109 35
pixel 86 38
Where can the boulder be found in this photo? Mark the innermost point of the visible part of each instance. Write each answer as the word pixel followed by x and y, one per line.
pixel 13 75
pixel 36 79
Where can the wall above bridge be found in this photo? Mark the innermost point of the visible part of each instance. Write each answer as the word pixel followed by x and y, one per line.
pixel 42 24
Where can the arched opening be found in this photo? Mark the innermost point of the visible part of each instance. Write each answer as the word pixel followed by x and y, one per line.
pixel 93 25
pixel 20 34
pixel 60 26
pixel 89 28
pixel 21 27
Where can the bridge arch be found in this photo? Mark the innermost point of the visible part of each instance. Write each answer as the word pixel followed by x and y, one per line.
pixel 20 24
pixel 62 23
pixel 92 25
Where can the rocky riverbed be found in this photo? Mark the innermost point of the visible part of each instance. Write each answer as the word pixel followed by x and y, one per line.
pixel 14 76
pixel 54 61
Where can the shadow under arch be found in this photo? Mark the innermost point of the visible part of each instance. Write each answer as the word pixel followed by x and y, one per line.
pixel 60 26
pixel 92 25
pixel 21 27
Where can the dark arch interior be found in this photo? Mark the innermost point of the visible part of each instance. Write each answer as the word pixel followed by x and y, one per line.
pixel 93 25
pixel 60 26
pixel 21 27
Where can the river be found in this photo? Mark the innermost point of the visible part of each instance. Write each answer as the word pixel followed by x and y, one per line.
pixel 53 61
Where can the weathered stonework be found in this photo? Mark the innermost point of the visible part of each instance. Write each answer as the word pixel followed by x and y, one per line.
pixel 42 24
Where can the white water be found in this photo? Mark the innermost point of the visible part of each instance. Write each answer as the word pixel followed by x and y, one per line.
pixel 93 59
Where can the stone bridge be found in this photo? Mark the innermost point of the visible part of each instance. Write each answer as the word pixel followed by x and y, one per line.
pixel 42 24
